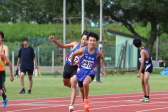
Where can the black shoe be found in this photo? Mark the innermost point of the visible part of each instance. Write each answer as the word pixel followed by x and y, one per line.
pixel 22 91
pixel 29 91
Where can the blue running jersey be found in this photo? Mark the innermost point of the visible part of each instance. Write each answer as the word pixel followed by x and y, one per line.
pixel 86 64
pixel 148 61
pixel 69 55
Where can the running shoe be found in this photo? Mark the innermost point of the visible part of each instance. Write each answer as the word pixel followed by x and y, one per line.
pixel 147 100
pixel 29 91
pixel 142 100
pixel 71 108
pixel 86 104
pixel 22 91
pixel 4 103
pixel 86 110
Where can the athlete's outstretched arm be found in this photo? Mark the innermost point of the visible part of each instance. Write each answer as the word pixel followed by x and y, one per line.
pixel 100 54
pixel 72 44
pixel 10 65
pixel 76 53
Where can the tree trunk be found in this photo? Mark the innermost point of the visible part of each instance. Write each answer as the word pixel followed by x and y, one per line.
pixel 152 38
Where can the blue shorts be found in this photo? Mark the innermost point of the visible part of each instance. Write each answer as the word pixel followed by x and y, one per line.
pixel 80 83
pixel 83 73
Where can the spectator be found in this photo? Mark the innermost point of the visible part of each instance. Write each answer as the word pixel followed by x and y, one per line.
pixel 98 64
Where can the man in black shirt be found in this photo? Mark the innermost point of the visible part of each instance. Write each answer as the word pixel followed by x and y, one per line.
pixel 26 58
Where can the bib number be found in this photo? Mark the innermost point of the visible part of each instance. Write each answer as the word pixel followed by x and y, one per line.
pixel 87 64
pixel 75 60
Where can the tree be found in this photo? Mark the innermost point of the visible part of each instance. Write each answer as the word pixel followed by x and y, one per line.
pixel 142 12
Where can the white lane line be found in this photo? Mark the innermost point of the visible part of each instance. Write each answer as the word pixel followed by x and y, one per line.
pixel 153 109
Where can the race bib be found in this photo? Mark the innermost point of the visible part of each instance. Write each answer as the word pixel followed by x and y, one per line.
pixel 87 64
pixel 75 60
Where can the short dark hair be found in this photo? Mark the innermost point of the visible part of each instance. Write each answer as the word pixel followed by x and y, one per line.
pixel 24 39
pixel 2 34
pixel 85 32
pixel 92 34
pixel 137 42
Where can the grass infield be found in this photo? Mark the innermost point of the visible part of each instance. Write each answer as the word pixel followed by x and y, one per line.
pixel 49 86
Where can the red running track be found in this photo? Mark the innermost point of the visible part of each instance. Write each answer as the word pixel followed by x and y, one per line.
pixel 128 102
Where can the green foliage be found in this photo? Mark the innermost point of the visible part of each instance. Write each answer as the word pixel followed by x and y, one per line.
pixel 157 71
pixel 14 33
pixel 117 71
pixel 109 72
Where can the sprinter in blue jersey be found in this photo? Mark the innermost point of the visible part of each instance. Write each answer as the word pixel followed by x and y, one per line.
pixel 87 63
pixel 145 69
pixel 69 74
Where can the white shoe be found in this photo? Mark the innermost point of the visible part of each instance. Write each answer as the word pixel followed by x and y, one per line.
pixel 71 108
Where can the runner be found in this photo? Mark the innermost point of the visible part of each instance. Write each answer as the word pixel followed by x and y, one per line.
pixel 87 62
pixel 145 69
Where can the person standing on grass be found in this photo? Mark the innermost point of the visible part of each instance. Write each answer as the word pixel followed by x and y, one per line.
pixel 145 69
pixel 26 59
pixel 98 64
pixel 69 74
pixel 3 61
pixel 87 62
pixel 3 49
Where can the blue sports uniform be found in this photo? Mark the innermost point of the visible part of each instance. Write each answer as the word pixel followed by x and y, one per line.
pixel 69 70
pixel 148 63
pixel 86 67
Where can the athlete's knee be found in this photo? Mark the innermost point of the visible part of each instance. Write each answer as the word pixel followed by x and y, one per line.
pixel 82 90
pixel 73 85
pixel 30 78
pixel 67 84
pixel 85 84
pixel 22 76
pixel 145 82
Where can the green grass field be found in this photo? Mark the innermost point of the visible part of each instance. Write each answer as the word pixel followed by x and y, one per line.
pixel 49 86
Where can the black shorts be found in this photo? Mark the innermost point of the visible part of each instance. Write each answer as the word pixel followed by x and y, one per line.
pixel 30 72
pixel 80 83
pixel 2 78
pixel 147 68
pixel 69 71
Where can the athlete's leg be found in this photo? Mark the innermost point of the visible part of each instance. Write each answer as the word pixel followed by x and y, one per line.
pixel 86 83
pixel 1 92
pixel 82 92
pixel 73 89
pixel 143 84
pixel 146 83
pixel 67 82
pixel 4 87
pixel 1 83
pixel 30 81
pixel 22 79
